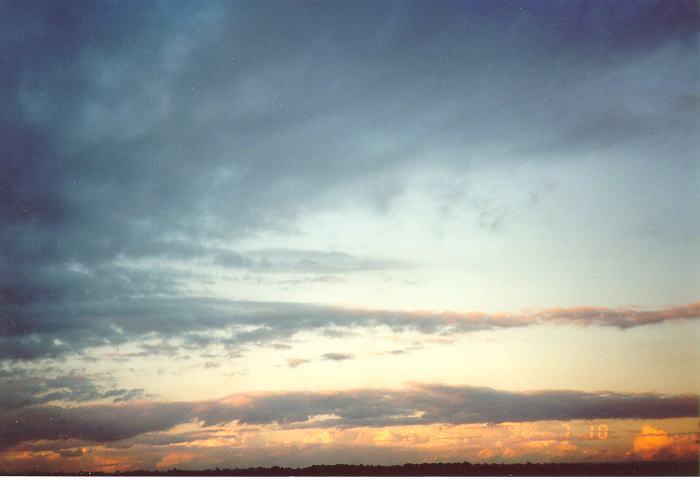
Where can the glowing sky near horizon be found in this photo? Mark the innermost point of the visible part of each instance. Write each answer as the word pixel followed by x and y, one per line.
pixel 244 233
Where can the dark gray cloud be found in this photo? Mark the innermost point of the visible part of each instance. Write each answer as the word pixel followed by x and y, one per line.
pixel 419 404
pixel 337 357
pixel 398 351
pixel 23 388
pixel 134 133
pixel 98 424
pixel 184 324
pixel 68 453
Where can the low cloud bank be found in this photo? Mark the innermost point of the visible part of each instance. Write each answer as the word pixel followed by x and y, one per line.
pixel 420 404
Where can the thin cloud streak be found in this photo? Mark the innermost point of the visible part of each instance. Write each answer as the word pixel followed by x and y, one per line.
pixel 337 356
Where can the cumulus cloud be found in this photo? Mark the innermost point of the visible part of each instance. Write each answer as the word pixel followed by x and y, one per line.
pixel 420 404
pixel 656 444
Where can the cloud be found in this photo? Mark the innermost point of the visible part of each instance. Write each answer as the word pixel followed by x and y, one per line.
pixel 71 453
pixel 398 351
pixel 295 362
pixel 194 322
pixel 310 261
pixel 337 357
pixel 175 458
pixel 147 150
pixel 94 423
pixel 232 446
pixel 420 404
pixel 656 444
pixel 126 394
pixel 22 388
pixel 140 138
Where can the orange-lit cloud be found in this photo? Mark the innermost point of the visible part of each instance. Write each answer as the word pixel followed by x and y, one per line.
pixel 656 444
pixel 235 445
pixel 174 459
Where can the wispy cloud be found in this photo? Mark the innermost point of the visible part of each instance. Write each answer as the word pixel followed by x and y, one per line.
pixel 295 362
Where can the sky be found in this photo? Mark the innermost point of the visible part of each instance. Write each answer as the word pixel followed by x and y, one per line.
pixel 288 233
